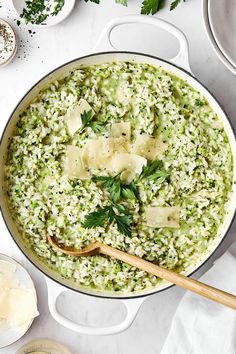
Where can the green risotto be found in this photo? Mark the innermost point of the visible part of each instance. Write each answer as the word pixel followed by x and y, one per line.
pixel 189 173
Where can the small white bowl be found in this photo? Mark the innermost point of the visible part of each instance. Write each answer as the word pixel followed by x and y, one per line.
pixel 19 5
pixel 9 335
pixel 9 55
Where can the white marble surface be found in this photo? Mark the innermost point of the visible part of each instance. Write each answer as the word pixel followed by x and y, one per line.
pixel 72 38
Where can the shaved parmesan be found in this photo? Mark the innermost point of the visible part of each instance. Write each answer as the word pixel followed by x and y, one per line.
pixel 163 216
pixel 121 130
pixel 73 166
pixel 125 161
pixel 18 306
pixel 148 147
pixel 98 153
pixel 73 118
pixel 127 176
pixel 7 270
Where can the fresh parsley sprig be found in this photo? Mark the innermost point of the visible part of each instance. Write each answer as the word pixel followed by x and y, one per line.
pixel 87 121
pixel 116 188
pixel 111 213
pixel 154 171
pixel 148 6
pixel 151 6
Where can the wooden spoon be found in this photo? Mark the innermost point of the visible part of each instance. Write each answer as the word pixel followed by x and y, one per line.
pixel 179 279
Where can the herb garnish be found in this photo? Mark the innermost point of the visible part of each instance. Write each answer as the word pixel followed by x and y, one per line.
pixel 175 3
pixel 37 11
pixel 151 6
pixel 87 121
pixel 148 6
pixel 111 213
pixel 116 188
pixel 154 172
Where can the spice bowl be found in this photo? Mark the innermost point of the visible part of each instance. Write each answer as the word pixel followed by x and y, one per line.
pixel 43 14
pixel 8 45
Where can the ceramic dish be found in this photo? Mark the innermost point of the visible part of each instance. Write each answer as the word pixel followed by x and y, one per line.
pixel 222 17
pixel 9 335
pixel 212 39
pixel 43 346
pixel 19 5
pixel 7 43
pixel 178 66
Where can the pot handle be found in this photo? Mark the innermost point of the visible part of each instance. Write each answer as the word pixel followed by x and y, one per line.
pixel 55 290
pixel 181 59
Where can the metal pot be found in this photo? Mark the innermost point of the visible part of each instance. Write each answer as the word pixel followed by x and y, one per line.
pixel 179 66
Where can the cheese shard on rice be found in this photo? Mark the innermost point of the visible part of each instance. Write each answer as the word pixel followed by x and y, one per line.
pixel 126 161
pixel 73 118
pixel 98 153
pixel 18 305
pixel 73 165
pixel 127 176
pixel 148 147
pixel 121 130
pixel 163 216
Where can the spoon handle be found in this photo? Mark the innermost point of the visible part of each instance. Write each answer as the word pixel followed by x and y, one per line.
pixel 181 280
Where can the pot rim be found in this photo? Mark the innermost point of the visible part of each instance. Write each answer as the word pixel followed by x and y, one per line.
pixel 106 295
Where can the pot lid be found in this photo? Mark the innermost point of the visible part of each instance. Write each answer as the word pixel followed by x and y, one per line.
pixel 222 15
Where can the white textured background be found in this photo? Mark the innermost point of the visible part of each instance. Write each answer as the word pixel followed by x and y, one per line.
pixel 45 50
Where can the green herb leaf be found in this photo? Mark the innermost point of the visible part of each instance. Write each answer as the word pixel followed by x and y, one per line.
pixel 108 214
pixel 154 172
pixel 151 6
pixel 86 117
pixel 123 224
pixel 174 4
pixel 96 1
pixel 87 121
pixel 122 2
pixel 97 126
pixel 112 184
pixel 95 219
pixel 129 191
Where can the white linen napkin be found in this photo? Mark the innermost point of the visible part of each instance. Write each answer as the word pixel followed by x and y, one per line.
pixel 201 326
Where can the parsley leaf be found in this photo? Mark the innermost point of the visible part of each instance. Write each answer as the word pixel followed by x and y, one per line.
pixel 86 117
pixel 96 218
pixel 123 224
pixel 116 188
pixel 151 6
pixel 96 1
pixel 174 4
pixel 129 191
pixel 154 172
pixel 112 184
pixel 96 125
pixel 122 2
pixel 108 214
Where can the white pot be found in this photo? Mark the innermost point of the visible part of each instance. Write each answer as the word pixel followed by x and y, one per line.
pixel 179 66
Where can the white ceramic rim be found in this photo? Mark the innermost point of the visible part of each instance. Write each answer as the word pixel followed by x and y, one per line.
pixel 211 38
